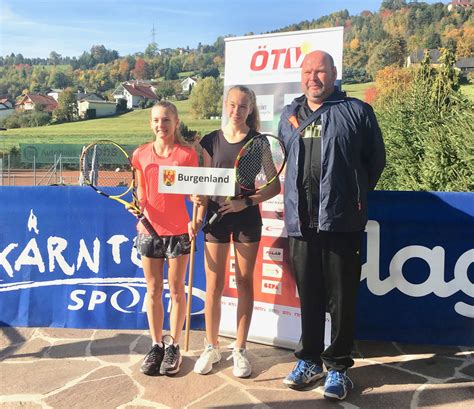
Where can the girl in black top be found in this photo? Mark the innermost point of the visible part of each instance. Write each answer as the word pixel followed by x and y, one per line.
pixel 240 219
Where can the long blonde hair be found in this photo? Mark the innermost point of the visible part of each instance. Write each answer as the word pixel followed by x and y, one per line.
pixel 178 138
pixel 253 120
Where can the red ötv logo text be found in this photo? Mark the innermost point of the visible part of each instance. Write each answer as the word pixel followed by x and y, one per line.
pixel 270 60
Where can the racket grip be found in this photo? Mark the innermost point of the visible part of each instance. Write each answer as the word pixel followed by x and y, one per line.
pixel 148 226
pixel 214 219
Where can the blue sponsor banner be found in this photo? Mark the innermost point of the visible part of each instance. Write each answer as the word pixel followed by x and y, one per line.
pixel 418 279
pixel 67 260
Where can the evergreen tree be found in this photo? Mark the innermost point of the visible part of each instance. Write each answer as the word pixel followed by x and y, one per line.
pixel 54 58
pixel 429 133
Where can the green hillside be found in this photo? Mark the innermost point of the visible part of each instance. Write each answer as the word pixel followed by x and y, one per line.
pixel 132 127
pixel 129 128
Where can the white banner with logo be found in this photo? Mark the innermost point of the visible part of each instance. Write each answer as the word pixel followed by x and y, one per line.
pixel 276 58
pixel 270 65
pixel 193 180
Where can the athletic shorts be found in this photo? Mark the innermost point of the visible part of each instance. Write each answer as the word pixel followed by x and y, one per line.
pixel 220 233
pixel 163 246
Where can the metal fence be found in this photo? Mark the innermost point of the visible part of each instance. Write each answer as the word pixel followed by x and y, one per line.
pixel 63 171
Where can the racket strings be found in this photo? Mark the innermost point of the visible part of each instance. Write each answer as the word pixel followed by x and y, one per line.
pixel 107 168
pixel 259 164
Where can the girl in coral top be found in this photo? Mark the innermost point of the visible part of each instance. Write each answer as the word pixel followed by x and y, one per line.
pixel 168 215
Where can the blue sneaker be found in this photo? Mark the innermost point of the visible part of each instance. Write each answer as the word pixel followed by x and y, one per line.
pixel 337 385
pixel 303 373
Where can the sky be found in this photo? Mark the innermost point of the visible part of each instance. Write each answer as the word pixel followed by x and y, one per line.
pixel 34 28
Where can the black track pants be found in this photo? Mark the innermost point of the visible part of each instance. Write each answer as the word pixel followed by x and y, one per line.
pixel 327 268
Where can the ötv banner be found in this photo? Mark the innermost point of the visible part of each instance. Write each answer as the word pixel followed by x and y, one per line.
pixel 270 65
pixel 67 260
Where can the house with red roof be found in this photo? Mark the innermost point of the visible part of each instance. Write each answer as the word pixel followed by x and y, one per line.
pixel 28 102
pixel 135 93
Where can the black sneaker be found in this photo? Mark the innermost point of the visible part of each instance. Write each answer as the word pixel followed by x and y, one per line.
pixel 171 360
pixel 152 362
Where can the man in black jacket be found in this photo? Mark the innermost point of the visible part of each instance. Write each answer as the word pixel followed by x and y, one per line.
pixel 336 155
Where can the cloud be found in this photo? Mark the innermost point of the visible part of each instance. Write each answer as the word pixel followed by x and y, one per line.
pixel 13 23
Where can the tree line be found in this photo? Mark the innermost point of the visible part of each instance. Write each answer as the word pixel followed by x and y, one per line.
pixel 372 41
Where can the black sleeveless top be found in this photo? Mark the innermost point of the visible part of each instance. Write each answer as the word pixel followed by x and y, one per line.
pixel 223 155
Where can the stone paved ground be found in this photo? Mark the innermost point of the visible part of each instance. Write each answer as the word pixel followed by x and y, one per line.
pixel 66 368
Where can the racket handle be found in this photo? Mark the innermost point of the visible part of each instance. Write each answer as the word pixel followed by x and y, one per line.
pixel 214 219
pixel 148 226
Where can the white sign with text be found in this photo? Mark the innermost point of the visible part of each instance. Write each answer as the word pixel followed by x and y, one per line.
pixel 190 180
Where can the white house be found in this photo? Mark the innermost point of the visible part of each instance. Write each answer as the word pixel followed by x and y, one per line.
pixel 6 108
pixel 134 93
pixel 54 93
pixel 92 108
pixel 188 83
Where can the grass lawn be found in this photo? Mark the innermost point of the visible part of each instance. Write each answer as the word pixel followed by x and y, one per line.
pixel 468 90
pixel 185 74
pixel 357 90
pixel 130 128
pixel 133 127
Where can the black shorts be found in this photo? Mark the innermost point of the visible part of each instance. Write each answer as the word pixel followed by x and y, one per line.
pixel 164 246
pixel 221 233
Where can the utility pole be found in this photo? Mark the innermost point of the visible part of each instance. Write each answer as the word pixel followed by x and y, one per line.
pixel 153 39
pixel 153 33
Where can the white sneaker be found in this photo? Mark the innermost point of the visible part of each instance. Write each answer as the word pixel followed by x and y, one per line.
pixel 242 368
pixel 209 357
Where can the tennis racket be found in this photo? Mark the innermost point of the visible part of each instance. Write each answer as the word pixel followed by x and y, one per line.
pixel 106 168
pixel 257 165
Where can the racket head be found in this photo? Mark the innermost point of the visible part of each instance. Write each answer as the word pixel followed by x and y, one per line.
pixel 260 161
pixel 106 167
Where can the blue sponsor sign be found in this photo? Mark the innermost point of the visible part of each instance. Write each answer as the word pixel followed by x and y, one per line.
pixel 418 279
pixel 67 260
